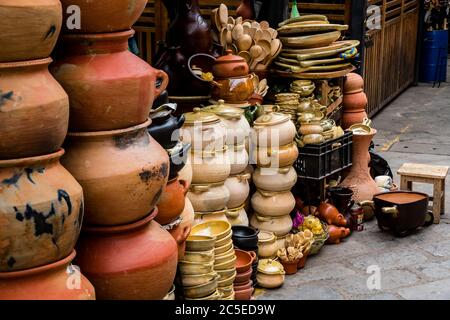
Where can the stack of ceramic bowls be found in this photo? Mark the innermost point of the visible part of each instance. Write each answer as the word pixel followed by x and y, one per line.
pixel 274 177
pixel 246 239
pixel 243 286
pixel 224 255
pixel 197 276
pixel 288 103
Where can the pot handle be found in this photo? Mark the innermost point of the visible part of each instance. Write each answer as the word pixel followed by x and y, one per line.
pixel 429 219
pixel 393 211
pixel 180 121
pixel 184 235
pixel 165 82
pixel 185 185
pixel 232 214
pixel 266 194
pixel 261 219
pixel 367 203
pixel 244 176
pixel 199 189
pixel 254 256
pixel 284 170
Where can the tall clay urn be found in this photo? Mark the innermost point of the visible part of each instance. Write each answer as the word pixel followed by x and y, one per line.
pixel 355 101
pixel 123 173
pixel 137 261
pixel 109 87
pixel 359 179
pixel 41 212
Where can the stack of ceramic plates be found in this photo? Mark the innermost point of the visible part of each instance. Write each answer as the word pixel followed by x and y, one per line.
pixel 288 103
pixel 224 256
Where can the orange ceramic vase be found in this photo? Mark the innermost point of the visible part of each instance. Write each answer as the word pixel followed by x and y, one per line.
pixel 34 109
pixel 41 211
pixel 129 262
pixel 359 179
pixel 123 173
pixel 171 204
pixel 56 281
pixel 355 101
pixel 30 29
pixel 108 86
pixel 104 15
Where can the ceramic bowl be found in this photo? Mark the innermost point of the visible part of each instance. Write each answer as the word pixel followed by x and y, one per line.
pixel 245 294
pixel 226 291
pixel 197 279
pixel 227 273
pixel 201 290
pixel 225 240
pixel 244 260
pixel 227 281
pixel 193 268
pixel 242 278
pixel 226 265
pixel 243 286
pixel 224 257
pixel 200 243
pixel 199 256
pixel 245 237
pixel 215 296
pixel 214 228
pixel 224 248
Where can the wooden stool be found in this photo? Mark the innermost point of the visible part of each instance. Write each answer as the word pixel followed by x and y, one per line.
pixel 423 173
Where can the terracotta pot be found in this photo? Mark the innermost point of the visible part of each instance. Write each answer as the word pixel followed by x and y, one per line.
pixel 238 157
pixel 41 212
pixel 359 179
pixel 239 189
pixel 290 267
pixel 353 83
pixel 337 234
pixel 34 109
pixel 171 203
pixel 123 173
pixel 230 66
pixel 273 204
pixel 211 197
pixel 302 262
pixel 237 216
pixel 180 233
pixel 243 286
pixel 280 226
pixel 331 215
pixel 354 109
pixel 233 90
pixel 275 157
pixel 273 130
pixel 245 238
pixel 244 260
pixel 56 281
pixel 275 179
pixel 103 97
pixel 104 15
pixel 243 277
pixel 351 118
pixel 137 261
pixel 245 294
pixel 210 167
pixel 30 29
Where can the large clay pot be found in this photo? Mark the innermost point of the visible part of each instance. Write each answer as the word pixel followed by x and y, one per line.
pixel 104 15
pixel 239 188
pixel 359 179
pixel 209 197
pixel 123 173
pixel 109 87
pixel 135 261
pixel 210 167
pixel 41 211
pixel 30 29
pixel 171 203
pixel 56 281
pixel 34 110
pixel 275 179
pixel 273 204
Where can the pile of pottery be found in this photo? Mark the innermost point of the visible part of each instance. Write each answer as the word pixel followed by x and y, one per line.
pixel 288 104
pixel 274 177
pixel 243 286
pixel 224 255
pixel 122 169
pixel 246 239
pixel 41 206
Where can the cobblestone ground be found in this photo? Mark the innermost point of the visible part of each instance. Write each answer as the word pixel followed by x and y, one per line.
pixel 414 128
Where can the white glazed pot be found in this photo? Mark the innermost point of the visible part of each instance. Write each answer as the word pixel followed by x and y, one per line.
pixel 280 226
pixel 237 216
pixel 211 197
pixel 275 179
pixel 239 189
pixel 238 156
pixel 210 166
pixel 273 204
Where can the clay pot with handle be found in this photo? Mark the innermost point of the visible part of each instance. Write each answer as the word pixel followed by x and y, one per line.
pixel 171 203
pixel 34 109
pixel 30 29
pixel 41 212
pixel 56 281
pixel 230 66
pixel 209 197
pixel 108 86
pixel 273 204
pixel 329 214
pixel 239 189
pixel 123 173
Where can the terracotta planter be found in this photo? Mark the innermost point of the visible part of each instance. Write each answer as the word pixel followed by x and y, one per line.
pixel 290 267
pixel 180 233
pixel 108 86
pixel 171 203
pixel 123 173
pixel 105 15
pixel 302 262
pixel 359 179
pixel 56 281
pixel 30 29
pixel 34 109
pixel 136 261
pixel 41 212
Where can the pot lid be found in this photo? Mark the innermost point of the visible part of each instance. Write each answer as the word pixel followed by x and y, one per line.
pixel 269 266
pixel 199 116
pixel 272 119
pixel 224 110
pixel 163 111
pixel 230 58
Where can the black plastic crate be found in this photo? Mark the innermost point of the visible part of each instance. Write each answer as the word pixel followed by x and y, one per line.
pixel 319 161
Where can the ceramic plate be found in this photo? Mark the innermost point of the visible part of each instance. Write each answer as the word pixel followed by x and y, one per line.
pixel 315 75
pixel 306 17
pixel 311 41
pixel 305 28
pixel 333 46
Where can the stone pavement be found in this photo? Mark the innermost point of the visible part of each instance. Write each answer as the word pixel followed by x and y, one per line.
pixel 414 128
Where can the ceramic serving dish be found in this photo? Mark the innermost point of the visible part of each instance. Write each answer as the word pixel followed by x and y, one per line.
pixel 202 290
pixel 200 243
pixel 197 279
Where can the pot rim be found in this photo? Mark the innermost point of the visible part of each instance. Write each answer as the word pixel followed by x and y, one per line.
pixel 121 228
pixel 256 232
pixel 99 36
pixel 271 237
pixel 26 63
pixel 109 133
pixel 32 160
pixel 37 270
pixel 402 191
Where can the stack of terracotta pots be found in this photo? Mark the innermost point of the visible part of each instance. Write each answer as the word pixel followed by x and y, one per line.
pixel 355 101
pixel 243 286
pixel 41 205
pixel 122 169
pixel 274 177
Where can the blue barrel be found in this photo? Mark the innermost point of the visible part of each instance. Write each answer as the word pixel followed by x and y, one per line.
pixel 434 56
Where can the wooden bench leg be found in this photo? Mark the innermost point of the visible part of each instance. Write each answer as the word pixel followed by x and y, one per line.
pixel 437 200
pixel 443 197
pixel 405 184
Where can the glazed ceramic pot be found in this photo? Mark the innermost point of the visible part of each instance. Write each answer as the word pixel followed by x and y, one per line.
pixel 273 130
pixel 209 197
pixel 203 130
pixel 171 203
pixel 56 281
pixel 210 166
pixel 180 233
pixel 310 127
pixel 34 109
pixel 178 158
pixel 41 212
pixel 104 97
pixel 275 179
pixel 104 15
pixel 234 121
pixel 267 245
pixel 239 189
pixel 30 29
pixel 230 66
pixel 274 204
pixel 237 216
pixel 275 157
pixel 238 157
pixel 122 172
pixel 233 90
pixel 165 127
pixel 201 217
pixel 271 274
pixel 141 255
pixel 331 215
pixel 280 226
